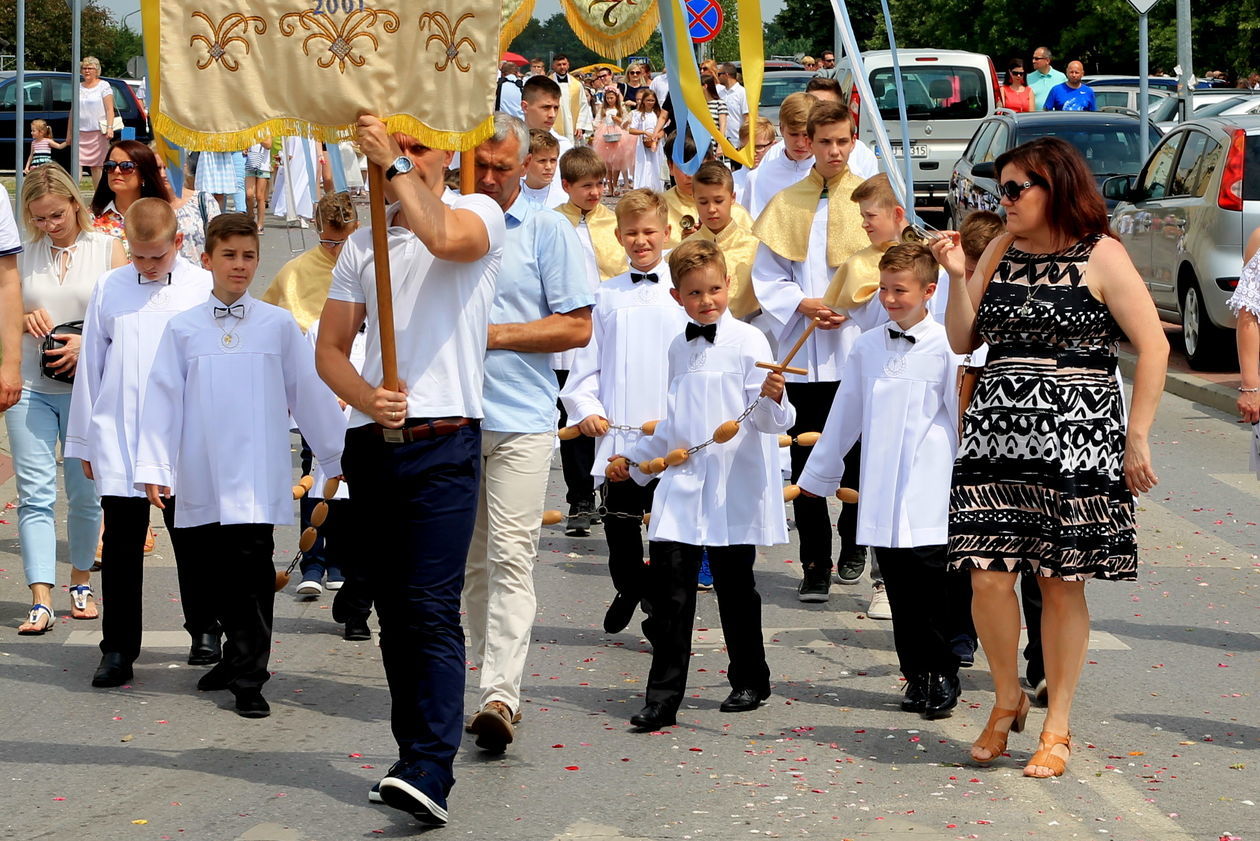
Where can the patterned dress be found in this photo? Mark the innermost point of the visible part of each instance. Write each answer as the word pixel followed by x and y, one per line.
pixel 1038 484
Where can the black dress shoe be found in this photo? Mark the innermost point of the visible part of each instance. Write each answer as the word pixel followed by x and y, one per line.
pixel 114 670
pixel 916 694
pixel 251 704
pixel 943 691
pixel 619 614
pixel 653 717
pixel 215 680
pixel 743 700
pixel 357 629
pixel 206 650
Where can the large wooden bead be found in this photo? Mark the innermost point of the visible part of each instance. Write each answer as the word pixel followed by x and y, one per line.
pixel 551 516
pixel 620 461
pixel 298 491
pixel 791 492
pixel 331 487
pixel 656 465
pixel 808 439
pixel 307 481
pixel 847 495
pixel 676 457
pixel 649 428
pixel 282 580
pixel 319 514
pixel 728 430
pixel 785 440
pixel 568 433
pixel 307 540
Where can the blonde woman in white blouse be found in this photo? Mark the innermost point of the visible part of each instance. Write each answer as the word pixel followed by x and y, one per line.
pixel 59 264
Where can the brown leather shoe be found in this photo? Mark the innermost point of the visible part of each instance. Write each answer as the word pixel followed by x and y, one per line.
pixel 493 727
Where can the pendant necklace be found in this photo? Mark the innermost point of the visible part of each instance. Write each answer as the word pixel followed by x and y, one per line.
pixel 1052 272
pixel 230 340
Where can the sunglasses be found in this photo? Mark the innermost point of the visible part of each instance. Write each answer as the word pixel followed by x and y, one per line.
pixel 126 166
pixel 1012 191
pixel 1016 72
pixel 332 242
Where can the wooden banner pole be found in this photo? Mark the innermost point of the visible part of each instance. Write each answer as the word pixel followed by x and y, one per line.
pixel 467 173
pixel 384 286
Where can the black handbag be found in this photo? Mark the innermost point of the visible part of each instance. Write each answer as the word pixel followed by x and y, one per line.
pixel 71 327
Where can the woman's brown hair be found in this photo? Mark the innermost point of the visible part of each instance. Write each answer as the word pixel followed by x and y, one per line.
pixel 1076 208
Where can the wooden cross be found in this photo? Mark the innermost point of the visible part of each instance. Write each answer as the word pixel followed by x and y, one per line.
pixel 782 367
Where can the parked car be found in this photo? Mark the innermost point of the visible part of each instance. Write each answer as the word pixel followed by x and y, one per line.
pixel 948 94
pixel 1184 220
pixel 47 96
pixel 775 88
pixel 1110 142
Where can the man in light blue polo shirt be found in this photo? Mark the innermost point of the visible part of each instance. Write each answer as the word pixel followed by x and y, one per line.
pixel 542 305
pixel 1043 77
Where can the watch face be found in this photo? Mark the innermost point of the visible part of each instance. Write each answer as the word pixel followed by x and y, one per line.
pixel 403 164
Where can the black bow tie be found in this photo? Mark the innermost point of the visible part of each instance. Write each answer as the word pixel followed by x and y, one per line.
pixel 893 334
pixel 237 310
pixel 709 331
pixel 562 78
pixel 637 276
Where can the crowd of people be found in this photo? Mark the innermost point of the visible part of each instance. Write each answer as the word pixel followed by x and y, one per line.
pixel 648 334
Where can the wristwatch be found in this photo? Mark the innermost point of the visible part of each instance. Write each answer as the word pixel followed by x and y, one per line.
pixel 401 166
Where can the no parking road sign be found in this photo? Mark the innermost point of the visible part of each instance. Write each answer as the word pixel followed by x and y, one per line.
pixel 704 20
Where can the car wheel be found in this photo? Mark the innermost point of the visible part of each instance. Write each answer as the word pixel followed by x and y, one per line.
pixel 1205 342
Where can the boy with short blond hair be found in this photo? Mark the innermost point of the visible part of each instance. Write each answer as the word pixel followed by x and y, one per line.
pixel 234 482
pixel 713 190
pixel 764 139
pixel 619 381
pixel 898 396
pixel 725 499
pixel 788 161
pixel 974 235
pixel 129 308
pixel 541 181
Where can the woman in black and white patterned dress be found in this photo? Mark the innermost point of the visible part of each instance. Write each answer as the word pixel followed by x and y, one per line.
pixel 1048 467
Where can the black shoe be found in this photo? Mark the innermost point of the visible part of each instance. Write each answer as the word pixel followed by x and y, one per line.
pixel 964 648
pixel 916 697
pixel 214 680
pixel 374 793
pixel 579 522
pixel 850 566
pixel 816 585
pixel 653 717
pixel 743 700
pixel 206 650
pixel 114 670
pixel 619 614
pixel 942 696
pixel 357 629
pixel 403 794
pixel 251 704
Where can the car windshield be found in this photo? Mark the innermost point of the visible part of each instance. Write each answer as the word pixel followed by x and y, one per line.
pixel 939 91
pixel 1219 106
pixel 1112 149
pixel 776 87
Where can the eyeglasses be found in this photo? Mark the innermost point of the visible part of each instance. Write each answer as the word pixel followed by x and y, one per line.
pixel 1015 72
pixel 1012 191
pixel 1041 58
pixel 761 147
pixel 127 167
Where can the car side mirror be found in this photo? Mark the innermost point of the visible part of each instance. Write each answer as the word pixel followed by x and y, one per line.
pixel 984 170
pixel 1118 187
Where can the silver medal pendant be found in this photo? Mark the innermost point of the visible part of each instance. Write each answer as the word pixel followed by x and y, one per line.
pixel 230 341
pixel 895 365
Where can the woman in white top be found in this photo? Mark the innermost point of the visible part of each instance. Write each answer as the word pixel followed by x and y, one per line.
pixel 61 261
pixel 647 124
pixel 96 118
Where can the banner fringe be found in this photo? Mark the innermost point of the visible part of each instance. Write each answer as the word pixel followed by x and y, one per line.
pixel 514 26
pixel 235 141
pixel 623 44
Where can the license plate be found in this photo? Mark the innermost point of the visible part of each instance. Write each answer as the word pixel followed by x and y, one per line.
pixel 916 151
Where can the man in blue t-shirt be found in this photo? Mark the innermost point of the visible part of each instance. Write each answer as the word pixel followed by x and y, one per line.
pixel 1072 95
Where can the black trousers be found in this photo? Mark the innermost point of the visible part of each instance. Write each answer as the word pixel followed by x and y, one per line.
pixel 1030 595
pixel 244 591
pixel 122 576
pixel 915 581
pixel 577 458
pixel 671 600
pixel 813 522
pixel 354 599
pixel 625 534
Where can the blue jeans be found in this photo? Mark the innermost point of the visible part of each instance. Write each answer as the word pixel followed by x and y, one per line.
pixel 418 501
pixel 36 423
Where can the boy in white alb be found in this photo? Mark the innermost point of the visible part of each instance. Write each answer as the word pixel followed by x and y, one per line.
pixel 621 379
pixel 126 315
pixel 899 396
pixel 541 181
pixel 215 427
pixel 725 499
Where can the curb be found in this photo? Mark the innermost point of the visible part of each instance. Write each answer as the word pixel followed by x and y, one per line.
pixel 1210 394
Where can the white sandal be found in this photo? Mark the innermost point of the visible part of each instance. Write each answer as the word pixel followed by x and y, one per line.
pixel 38 611
pixel 79 595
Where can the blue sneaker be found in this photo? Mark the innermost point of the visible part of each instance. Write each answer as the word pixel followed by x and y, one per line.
pixel 705 581
pixel 405 795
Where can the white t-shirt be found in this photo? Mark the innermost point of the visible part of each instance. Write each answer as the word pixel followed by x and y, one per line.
pixel 441 313
pixel 10 239
pixel 92 105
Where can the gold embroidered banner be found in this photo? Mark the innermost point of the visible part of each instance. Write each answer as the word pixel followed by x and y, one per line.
pixel 311 67
pixel 612 28
pixel 515 15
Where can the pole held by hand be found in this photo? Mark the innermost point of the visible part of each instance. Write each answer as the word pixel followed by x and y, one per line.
pixel 782 367
pixel 384 286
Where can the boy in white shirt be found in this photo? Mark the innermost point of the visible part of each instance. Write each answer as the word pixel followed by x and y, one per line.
pixel 724 499
pixel 126 315
pixel 619 382
pixel 215 426
pixel 898 395
pixel 541 181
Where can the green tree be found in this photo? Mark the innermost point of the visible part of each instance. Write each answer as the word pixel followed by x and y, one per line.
pixel 813 22
pixel 48 31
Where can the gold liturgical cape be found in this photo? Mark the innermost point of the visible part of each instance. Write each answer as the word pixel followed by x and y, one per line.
pixel 857 279
pixel 680 206
pixel 784 224
pixel 610 257
pixel 301 286
pixel 739 247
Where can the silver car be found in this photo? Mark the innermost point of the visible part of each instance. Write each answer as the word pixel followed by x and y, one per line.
pixel 1184 220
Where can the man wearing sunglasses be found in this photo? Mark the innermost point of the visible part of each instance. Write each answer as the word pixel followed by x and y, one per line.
pixel 827 65
pixel 1043 77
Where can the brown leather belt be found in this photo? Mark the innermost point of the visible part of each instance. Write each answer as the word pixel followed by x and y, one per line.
pixel 421 430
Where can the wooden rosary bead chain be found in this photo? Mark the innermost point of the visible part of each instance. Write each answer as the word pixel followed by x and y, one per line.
pixel 319 515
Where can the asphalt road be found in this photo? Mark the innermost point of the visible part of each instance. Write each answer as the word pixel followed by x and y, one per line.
pixel 1166 722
